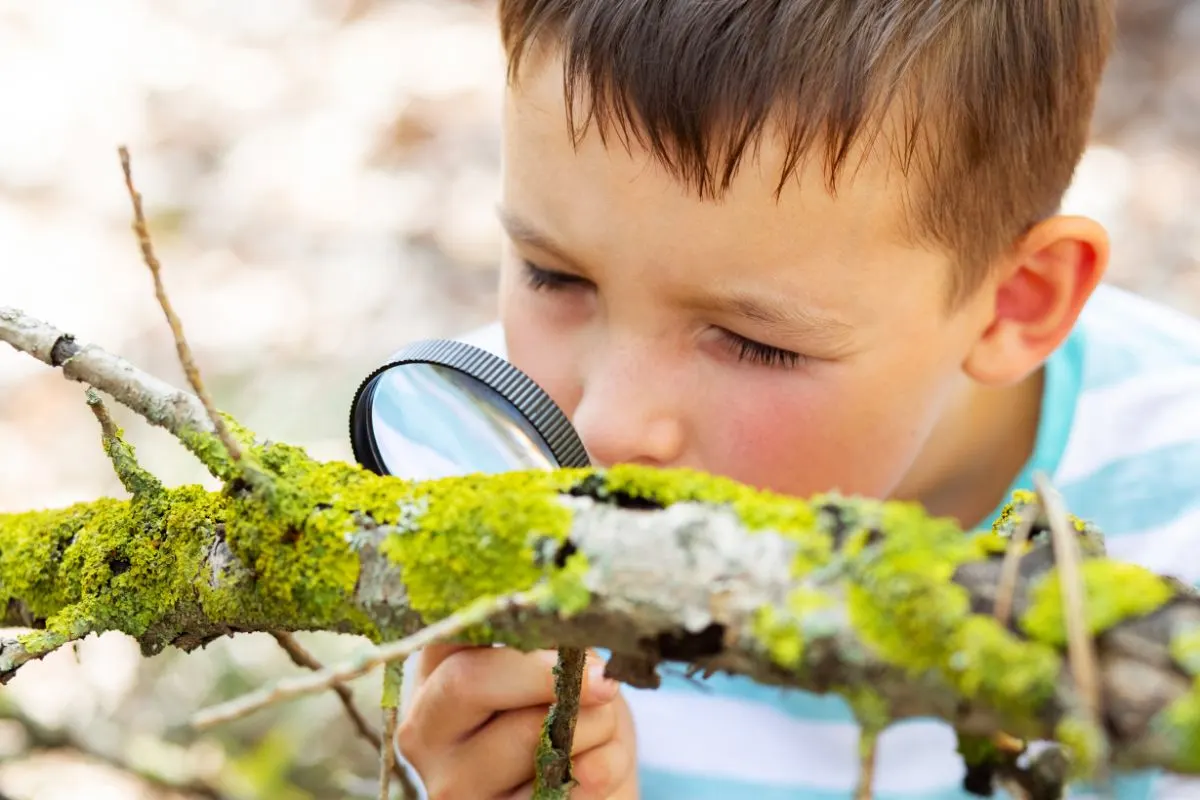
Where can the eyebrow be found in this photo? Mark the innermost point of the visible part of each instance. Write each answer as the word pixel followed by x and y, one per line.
pixel 787 320
pixel 525 232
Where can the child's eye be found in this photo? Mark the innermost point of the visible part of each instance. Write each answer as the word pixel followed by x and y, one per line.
pixel 549 280
pixel 765 355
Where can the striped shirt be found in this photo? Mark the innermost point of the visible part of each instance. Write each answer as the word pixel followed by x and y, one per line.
pixel 1119 435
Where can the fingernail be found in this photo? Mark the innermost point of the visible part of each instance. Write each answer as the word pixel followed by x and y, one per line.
pixel 601 687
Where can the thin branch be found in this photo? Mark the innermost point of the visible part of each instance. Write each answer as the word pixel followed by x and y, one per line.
pixel 476 613
pixel 14 654
pixel 867 757
pixel 137 481
pixel 1081 650
pixel 179 412
pixel 553 774
pixel 1067 557
pixel 302 658
pixel 158 402
pixel 389 764
pixel 181 345
pixel 1010 569
pixel 387 755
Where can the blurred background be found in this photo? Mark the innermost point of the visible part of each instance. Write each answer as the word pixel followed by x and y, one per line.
pixel 319 177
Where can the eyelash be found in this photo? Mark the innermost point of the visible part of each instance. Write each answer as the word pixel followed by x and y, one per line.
pixel 540 279
pixel 753 352
pixel 745 350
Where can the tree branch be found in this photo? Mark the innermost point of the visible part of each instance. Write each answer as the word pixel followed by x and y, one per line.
pixel 874 601
pixel 158 402
pixel 291 688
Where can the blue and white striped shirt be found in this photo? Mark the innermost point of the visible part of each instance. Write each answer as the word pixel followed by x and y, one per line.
pixel 1119 435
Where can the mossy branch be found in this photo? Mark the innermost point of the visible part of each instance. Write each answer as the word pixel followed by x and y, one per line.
pixel 877 602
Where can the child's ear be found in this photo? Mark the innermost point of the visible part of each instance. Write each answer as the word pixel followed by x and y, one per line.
pixel 1037 296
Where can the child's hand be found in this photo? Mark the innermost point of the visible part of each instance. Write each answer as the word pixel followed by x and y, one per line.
pixel 476 716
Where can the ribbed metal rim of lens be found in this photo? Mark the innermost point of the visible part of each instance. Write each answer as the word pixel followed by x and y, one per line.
pixel 511 383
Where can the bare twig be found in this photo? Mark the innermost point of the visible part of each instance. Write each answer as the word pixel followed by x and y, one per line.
pixel 181 345
pixel 1080 648
pixel 474 614
pixel 14 654
pixel 157 401
pixel 1081 651
pixel 302 658
pixel 1010 569
pixel 137 481
pixel 868 747
pixel 393 682
pixel 387 755
pixel 553 778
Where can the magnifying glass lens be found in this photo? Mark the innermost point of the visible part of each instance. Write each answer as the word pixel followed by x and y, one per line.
pixel 442 408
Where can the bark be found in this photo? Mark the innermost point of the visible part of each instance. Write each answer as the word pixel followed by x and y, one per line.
pixel 878 602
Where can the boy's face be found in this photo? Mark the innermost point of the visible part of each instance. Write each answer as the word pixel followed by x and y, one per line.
pixel 797 344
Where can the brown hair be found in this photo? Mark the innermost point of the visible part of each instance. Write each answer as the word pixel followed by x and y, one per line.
pixel 995 96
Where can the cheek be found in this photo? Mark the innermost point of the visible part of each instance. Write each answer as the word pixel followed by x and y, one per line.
pixel 552 367
pixel 850 433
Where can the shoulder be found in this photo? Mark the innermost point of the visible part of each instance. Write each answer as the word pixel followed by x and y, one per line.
pixel 1131 462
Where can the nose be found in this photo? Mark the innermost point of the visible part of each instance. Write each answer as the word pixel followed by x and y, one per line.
pixel 627 416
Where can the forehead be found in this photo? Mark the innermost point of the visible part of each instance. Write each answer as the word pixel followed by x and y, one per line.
pixel 607 196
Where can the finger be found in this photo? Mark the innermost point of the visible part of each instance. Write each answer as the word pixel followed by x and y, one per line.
pixel 430 658
pixel 473 684
pixel 503 750
pixel 600 773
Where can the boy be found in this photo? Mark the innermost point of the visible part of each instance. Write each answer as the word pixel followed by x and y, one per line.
pixel 811 245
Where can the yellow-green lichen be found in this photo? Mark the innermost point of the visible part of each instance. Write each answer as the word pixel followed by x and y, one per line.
pixel 1185 650
pixel 108 565
pixel 1114 591
pixel 478 536
pixel 902 600
pixel 757 509
pixel 905 605
pixel 569 593
pixel 1084 742
pixel 988 663
pixel 782 632
pixel 298 541
pixel 1179 723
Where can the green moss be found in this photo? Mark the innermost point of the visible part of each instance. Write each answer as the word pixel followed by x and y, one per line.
pixel 1113 591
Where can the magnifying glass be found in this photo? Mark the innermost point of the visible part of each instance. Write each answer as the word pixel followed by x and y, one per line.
pixel 441 408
